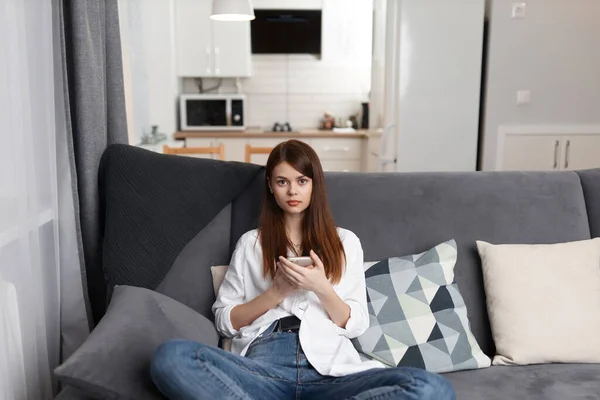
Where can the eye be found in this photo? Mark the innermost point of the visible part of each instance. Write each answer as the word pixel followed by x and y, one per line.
pixel 280 182
pixel 303 181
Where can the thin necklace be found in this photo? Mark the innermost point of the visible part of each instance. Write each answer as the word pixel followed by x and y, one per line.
pixel 297 248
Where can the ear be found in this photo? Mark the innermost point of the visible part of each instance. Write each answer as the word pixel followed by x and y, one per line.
pixel 269 185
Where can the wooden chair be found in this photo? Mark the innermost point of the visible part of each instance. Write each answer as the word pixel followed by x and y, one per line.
pixel 220 150
pixel 256 150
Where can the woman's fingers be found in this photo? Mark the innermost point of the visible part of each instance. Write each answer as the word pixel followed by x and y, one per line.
pixel 316 260
pixel 283 271
pixel 293 275
pixel 291 272
pixel 290 265
pixel 284 278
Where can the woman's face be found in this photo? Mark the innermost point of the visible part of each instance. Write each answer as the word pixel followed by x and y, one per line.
pixel 291 189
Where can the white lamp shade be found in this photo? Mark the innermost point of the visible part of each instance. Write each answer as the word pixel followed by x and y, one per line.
pixel 232 10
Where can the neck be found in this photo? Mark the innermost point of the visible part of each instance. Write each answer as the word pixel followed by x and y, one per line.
pixel 293 227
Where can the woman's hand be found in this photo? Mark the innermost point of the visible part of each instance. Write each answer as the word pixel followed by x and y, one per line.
pixel 245 314
pixel 311 278
pixel 281 286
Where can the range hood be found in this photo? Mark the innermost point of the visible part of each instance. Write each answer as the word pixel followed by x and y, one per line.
pixel 281 31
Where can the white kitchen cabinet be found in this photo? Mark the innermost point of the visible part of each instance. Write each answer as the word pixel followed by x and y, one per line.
pixel 342 165
pixel 235 149
pixel 336 154
pixel 581 152
pixel 550 152
pixel 342 155
pixel 337 149
pixel 231 48
pixel 207 48
pixel 202 142
pixel 531 153
pixel 266 142
pixel 199 142
pixel 371 161
pixel 261 159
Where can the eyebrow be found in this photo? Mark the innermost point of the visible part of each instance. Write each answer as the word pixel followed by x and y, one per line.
pixel 283 177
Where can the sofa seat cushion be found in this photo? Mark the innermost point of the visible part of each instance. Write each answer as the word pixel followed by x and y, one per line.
pixel 531 382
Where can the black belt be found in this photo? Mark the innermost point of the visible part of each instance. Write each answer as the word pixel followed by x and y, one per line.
pixel 288 324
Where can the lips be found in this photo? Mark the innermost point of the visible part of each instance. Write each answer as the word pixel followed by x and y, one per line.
pixel 293 203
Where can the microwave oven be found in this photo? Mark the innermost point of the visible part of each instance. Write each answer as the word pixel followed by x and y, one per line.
pixel 211 112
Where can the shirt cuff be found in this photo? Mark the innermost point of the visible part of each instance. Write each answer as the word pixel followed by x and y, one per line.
pixel 355 326
pixel 224 322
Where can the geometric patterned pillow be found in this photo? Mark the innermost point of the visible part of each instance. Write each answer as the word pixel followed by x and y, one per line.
pixel 417 316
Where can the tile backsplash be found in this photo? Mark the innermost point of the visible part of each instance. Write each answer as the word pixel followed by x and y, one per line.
pixel 297 89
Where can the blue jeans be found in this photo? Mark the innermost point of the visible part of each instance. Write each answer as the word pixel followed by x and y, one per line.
pixel 275 367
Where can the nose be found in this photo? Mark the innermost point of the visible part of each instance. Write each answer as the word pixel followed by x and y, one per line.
pixel 292 189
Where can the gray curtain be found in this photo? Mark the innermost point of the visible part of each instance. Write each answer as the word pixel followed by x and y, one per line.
pixel 96 118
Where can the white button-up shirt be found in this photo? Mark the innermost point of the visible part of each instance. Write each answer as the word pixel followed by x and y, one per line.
pixel 327 346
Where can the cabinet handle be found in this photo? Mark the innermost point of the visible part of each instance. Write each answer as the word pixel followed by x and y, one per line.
pixel 207 60
pixel 217 61
pixel 556 154
pixel 567 154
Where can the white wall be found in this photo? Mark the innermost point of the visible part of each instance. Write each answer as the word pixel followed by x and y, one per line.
pixel 555 53
pixel 300 88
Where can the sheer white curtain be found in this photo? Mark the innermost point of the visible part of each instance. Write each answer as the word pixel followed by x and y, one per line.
pixel 38 242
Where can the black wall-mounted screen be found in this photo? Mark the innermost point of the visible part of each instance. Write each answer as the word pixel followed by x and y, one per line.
pixel 286 32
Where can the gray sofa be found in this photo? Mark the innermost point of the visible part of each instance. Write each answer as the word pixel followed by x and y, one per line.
pixel 401 214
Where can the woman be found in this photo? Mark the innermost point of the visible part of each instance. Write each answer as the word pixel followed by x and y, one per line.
pixel 291 325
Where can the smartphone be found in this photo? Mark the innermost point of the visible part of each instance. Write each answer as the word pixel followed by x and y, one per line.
pixel 301 261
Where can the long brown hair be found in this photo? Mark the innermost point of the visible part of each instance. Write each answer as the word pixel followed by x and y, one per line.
pixel 319 232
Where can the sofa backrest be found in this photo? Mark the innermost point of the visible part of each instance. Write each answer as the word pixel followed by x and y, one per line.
pixel 167 219
pixel 408 213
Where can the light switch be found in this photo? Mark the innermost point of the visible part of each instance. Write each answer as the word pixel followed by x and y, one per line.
pixel 523 97
pixel 518 10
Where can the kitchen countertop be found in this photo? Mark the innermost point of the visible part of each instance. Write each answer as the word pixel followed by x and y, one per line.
pixel 257 133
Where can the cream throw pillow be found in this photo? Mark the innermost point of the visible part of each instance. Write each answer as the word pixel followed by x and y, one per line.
pixel 218 274
pixel 543 301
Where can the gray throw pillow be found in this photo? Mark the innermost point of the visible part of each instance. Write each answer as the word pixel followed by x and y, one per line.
pixel 114 361
pixel 417 316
